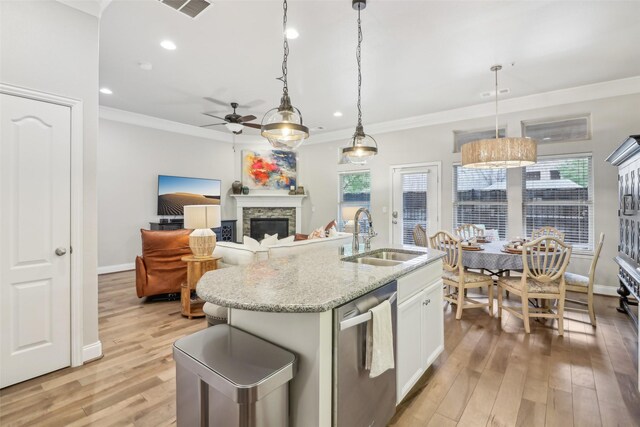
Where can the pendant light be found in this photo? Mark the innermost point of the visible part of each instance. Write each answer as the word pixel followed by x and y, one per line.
pixel 499 152
pixel 361 146
pixel 283 126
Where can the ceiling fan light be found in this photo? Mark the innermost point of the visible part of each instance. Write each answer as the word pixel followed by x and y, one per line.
pixel 234 127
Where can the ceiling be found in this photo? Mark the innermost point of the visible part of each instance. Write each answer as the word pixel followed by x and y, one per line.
pixel 418 57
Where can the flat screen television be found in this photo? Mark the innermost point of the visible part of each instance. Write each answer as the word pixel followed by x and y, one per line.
pixel 176 192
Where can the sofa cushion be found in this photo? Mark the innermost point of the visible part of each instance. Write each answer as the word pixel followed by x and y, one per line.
pixel 239 254
pixel 332 224
pixel 251 243
pixel 269 240
pixel 318 233
pixel 300 236
pixel 162 253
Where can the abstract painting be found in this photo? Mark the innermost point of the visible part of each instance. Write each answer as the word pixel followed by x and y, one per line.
pixel 269 170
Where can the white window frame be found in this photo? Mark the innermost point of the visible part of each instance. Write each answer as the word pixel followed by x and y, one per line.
pixel 578 250
pixel 340 202
pixel 455 203
pixel 555 119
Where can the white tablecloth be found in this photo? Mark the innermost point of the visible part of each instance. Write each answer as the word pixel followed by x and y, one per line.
pixel 492 258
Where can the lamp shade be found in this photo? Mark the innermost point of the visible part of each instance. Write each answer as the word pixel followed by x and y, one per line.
pixel 348 212
pixel 201 216
pixel 499 153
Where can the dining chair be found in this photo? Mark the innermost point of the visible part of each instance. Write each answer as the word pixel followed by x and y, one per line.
pixel 455 276
pixel 547 231
pixel 469 231
pixel 545 261
pixel 420 236
pixel 583 284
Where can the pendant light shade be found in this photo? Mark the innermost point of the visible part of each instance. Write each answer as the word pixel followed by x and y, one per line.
pixel 282 126
pixel 499 153
pixel 361 146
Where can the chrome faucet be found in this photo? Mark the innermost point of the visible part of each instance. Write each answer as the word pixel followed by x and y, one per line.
pixel 356 231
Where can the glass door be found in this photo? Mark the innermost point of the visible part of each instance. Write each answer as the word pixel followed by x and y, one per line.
pixel 414 202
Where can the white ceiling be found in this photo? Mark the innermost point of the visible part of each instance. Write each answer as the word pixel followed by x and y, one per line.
pixel 419 57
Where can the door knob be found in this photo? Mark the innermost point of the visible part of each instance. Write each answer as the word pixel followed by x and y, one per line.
pixel 395 221
pixel 394 214
pixel 426 302
pixel 61 251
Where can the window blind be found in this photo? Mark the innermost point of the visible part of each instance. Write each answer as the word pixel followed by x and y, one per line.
pixel 480 198
pixel 559 193
pixel 461 137
pixel 354 193
pixel 414 204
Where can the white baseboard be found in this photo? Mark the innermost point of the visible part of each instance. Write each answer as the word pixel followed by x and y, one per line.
pixel 91 351
pixel 116 268
pixel 605 290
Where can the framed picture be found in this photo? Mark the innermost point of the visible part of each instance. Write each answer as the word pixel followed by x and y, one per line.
pixel 269 169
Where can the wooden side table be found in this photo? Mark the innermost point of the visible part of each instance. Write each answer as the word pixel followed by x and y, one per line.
pixel 196 267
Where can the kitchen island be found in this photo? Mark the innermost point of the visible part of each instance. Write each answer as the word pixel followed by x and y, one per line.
pixel 290 301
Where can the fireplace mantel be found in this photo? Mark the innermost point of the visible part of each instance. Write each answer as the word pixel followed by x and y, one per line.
pixel 268 200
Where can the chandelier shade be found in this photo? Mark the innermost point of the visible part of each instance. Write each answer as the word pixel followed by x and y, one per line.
pixel 499 153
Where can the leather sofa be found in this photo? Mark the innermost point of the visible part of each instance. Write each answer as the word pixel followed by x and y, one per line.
pixel 160 269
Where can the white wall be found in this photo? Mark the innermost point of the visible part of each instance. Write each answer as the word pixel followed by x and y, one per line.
pixel 49 47
pixel 130 158
pixel 613 119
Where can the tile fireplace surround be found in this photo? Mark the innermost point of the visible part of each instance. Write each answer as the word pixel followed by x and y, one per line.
pixel 268 205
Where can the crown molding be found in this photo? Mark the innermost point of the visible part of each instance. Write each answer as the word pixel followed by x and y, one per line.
pixel 92 7
pixel 590 92
pixel 122 116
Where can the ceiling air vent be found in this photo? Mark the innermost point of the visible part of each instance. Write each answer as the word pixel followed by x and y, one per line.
pixel 559 129
pixel 190 8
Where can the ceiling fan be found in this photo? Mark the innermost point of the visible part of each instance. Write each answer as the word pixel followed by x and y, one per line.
pixel 233 121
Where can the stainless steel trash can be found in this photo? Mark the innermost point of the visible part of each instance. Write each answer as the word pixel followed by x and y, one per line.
pixel 226 377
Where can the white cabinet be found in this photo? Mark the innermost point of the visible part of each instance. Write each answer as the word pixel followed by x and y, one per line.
pixel 420 329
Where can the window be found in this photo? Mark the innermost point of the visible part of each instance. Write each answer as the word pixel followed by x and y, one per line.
pixel 461 137
pixel 414 204
pixel 558 129
pixel 480 197
pixel 561 198
pixel 354 193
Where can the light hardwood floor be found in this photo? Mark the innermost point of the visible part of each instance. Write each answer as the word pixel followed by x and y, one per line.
pixel 488 374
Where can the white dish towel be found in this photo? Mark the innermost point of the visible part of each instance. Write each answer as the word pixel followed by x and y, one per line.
pixel 379 356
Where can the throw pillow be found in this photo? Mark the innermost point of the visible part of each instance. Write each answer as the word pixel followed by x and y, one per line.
pixel 286 240
pixel 328 227
pixel 269 240
pixel 299 237
pixel 318 233
pixel 333 232
pixel 251 243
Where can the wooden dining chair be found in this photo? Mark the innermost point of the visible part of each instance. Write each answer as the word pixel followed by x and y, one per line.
pixel 583 284
pixel 420 236
pixel 547 232
pixel 455 276
pixel 469 231
pixel 545 261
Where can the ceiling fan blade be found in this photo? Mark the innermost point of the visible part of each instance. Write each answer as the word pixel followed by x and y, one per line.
pixel 215 117
pixel 248 118
pixel 215 124
pixel 252 125
pixel 252 104
pixel 216 101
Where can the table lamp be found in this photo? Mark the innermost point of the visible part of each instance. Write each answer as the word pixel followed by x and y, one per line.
pixel 348 212
pixel 202 218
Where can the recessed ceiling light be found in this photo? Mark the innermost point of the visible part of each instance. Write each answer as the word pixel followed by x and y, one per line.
pixel 168 44
pixel 292 33
pixel 337 114
pixel 106 90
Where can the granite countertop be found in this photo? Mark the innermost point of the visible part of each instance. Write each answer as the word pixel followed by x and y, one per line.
pixel 309 282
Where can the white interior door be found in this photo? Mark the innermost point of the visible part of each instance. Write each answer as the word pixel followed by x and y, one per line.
pixel 415 201
pixel 35 216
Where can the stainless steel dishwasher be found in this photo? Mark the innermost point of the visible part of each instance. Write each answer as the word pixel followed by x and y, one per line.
pixel 360 401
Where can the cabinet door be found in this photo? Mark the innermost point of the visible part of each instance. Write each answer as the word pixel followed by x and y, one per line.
pixel 409 360
pixel 432 324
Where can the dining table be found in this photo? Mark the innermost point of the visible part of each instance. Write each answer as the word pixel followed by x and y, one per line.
pixel 492 258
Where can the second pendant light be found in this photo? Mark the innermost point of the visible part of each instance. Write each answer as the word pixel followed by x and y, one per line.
pixel 361 146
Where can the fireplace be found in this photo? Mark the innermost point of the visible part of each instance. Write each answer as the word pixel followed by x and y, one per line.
pixel 261 226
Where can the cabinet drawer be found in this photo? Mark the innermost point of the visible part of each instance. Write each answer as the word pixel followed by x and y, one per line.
pixel 417 280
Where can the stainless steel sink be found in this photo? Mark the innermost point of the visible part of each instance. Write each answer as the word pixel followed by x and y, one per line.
pixel 394 256
pixel 374 261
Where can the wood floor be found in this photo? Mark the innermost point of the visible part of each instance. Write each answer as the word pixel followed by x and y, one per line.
pixel 488 374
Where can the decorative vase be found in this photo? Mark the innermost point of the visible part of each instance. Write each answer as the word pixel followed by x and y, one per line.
pixel 245 190
pixel 300 190
pixel 236 187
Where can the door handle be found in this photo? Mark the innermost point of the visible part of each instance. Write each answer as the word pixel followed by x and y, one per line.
pixel 61 251
pixel 394 214
pixel 395 221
